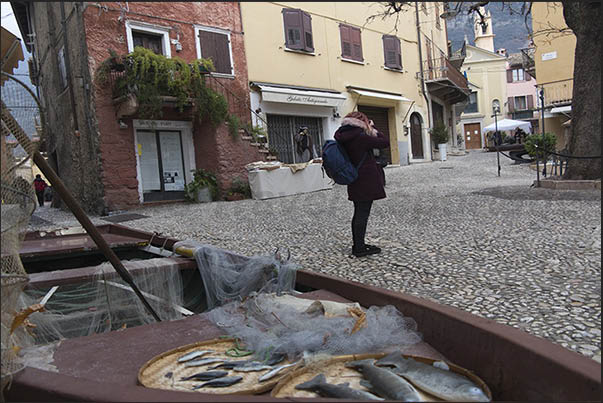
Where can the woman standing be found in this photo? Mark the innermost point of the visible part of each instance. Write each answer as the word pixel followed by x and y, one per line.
pixel 359 137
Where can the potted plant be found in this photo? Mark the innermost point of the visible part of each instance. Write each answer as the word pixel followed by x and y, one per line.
pixel 440 136
pixel 203 188
pixel 239 190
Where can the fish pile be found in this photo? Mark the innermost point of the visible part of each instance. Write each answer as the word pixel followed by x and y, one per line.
pixel 397 378
pixel 218 376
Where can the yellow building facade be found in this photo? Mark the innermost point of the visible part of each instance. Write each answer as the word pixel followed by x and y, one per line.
pixel 486 71
pixel 311 63
pixel 555 46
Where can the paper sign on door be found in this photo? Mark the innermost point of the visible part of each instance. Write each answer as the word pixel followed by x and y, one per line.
pixel 139 149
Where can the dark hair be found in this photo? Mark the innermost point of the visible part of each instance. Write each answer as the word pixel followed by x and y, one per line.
pixel 39 176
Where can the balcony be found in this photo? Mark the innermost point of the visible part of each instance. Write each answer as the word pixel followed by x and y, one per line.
pixel 443 79
pixel 558 93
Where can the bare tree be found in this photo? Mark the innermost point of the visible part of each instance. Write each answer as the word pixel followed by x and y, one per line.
pixel 583 19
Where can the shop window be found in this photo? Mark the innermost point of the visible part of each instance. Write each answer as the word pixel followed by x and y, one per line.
pixel 214 44
pixel 298 30
pixel 152 37
pixel 351 43
pixel 391 52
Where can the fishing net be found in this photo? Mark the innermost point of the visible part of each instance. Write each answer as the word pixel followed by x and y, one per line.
pixel 228 276
pixel 270 323
pixel 21 120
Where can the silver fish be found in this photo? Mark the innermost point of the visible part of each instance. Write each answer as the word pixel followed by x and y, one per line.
pixel 385 383
pixel 204 361
pixel 444 384
pixel 205 376
pixel 221 382
pixel 194 354
pixel 275 358
pixel 232 364
pixel 251 368
pixel 320 385
pixel 271 374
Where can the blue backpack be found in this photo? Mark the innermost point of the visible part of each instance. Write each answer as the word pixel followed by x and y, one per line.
pixel 337 164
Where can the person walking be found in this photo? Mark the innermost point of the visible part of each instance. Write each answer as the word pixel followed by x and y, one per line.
pixel 40 185
pixel 359 138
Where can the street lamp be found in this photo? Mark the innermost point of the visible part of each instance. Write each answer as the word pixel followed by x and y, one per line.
pixel 496 111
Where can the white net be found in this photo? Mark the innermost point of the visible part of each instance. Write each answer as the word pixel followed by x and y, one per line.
pixel 228 276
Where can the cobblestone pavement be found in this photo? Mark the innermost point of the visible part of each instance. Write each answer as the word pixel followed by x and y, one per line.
pixel 452 232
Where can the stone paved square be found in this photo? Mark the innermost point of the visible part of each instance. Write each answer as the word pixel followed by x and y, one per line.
pixel 452 232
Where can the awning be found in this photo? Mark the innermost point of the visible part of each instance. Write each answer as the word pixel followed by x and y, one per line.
pixel 376 94
pixel 562 109
pixel 296 96
pixel 508 124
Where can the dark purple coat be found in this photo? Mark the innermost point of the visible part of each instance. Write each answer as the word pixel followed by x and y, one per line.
pixel 369 185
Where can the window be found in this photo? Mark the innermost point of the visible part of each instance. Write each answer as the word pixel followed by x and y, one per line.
pixel 514 75
pixel 298 30
pixel 472 105
pixel 62 69
pixel 148 41
pixel 520 103
pixel 153 37
pixel 391 52
pixel 214 44
pixel 351 43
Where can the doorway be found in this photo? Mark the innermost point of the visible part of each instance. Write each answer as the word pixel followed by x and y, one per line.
pixel 473 139
pixel 161 164
pixel 380 117
pixel 416 136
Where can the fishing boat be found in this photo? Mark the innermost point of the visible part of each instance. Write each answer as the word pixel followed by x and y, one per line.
pixel 104 367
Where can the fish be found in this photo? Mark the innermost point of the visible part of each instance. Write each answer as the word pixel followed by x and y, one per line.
pixel 220 382
pixel 275 358
pixel 319 385
pixel 438 382
pixel 384 382
pixel 203 361
pixel 251 368
pixel 272 373
pixel 205 376
pixel 194 354
pixel 232 364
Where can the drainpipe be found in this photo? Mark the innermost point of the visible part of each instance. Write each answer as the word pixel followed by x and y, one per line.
pixel 423 87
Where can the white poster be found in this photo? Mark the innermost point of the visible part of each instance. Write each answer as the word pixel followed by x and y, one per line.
pixel 171 160
pixel 149 162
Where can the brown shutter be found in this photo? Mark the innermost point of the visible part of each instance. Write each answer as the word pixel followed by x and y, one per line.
pixel 391 50
pixel 346 41
pixel 511 104
pixel 308 39
pixel 356 44
pixel 526 76
pixel 293 28
pixel 214 46
pixel 510 76
pixel 399 52
pixel 530 102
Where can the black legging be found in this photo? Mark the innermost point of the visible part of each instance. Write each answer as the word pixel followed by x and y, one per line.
pixel 362 210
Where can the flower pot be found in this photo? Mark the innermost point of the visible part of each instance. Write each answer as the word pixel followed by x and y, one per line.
pixel 442 150
pixel 203 195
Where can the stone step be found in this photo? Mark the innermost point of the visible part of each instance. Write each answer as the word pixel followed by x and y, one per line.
pixel 246 138
pixel 270 158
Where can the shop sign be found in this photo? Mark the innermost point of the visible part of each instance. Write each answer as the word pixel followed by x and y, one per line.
pixel 301 99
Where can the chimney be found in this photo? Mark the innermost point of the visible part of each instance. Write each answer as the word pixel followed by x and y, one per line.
pixel 502 52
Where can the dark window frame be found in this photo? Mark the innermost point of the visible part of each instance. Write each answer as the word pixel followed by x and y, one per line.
pixel 470 108
pixel 297 26
pixel 146 35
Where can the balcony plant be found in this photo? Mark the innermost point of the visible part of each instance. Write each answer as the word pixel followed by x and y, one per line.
pixel 149 77
pixel 203 188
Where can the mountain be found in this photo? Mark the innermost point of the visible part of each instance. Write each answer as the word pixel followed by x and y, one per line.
pixel 509 29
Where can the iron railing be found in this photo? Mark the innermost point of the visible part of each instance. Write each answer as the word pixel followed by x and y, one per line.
pixel 438 67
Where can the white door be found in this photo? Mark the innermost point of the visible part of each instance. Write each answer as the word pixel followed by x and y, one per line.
pixel 149 160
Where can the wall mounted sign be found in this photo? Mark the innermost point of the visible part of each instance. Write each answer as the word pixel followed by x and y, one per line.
pixel 549 56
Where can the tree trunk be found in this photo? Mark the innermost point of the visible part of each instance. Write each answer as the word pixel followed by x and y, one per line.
pixel 585 20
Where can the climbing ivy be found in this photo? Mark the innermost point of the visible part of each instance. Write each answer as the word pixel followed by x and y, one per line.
pixel 150 76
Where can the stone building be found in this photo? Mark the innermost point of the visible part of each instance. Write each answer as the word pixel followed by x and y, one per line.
pixel 109 157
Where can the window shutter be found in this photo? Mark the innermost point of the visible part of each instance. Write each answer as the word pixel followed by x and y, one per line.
pixel 509 76
pixel 530 102
pixel 293 28
pixel 511 104
pixel 356 44
pixel 346 41
pixel 214 46
pixel 308 39
pixel 526 76
pixel 391 50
